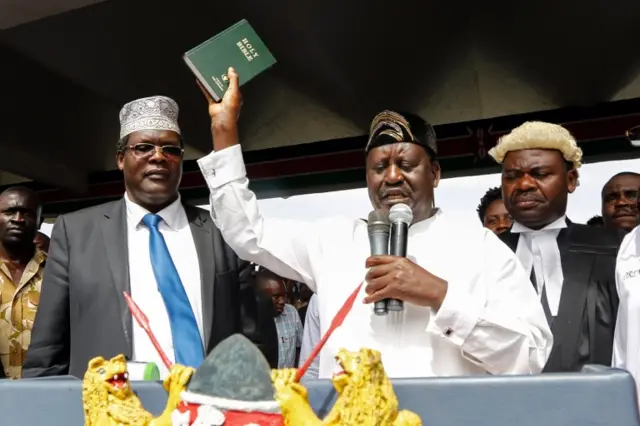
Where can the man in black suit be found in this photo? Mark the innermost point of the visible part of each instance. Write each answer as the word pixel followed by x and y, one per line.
pixel 167 255
pixel 572 266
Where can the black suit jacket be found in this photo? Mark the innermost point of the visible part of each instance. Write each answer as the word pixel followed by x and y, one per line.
pixel 82 311
pixel 583 329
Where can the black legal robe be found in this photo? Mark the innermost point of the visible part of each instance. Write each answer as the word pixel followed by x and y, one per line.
pixel 584 326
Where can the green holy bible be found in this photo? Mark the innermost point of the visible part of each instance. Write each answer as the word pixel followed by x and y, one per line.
pixel 239 47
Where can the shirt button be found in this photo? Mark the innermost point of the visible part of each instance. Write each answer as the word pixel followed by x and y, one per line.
pixel 448 332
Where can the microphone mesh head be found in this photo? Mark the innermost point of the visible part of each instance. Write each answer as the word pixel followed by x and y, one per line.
pixel 378 217
pixel 378 222
pixel 401 213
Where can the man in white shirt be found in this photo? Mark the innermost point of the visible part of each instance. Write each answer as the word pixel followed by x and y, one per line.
pixel 168 255
pixel 626 343
pixel 311 336
pixel 571 265
pixel 468 305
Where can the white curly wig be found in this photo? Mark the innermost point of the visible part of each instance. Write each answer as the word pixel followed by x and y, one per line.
pixel 539 135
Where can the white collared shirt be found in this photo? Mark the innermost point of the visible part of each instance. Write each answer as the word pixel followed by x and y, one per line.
pixel 175 229
pixel 538 249
pixel 489 323
pixel 311 336
pixel 626 341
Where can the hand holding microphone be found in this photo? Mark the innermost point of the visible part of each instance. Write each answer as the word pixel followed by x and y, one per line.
pixel 400 217
pixel 378 229
pixel 393 278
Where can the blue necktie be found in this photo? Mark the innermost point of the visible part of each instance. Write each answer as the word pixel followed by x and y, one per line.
pixel 187 343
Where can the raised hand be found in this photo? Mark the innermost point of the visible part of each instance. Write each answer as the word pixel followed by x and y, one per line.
pixel 224 114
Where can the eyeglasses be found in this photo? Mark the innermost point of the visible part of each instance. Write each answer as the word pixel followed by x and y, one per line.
pixel 143 150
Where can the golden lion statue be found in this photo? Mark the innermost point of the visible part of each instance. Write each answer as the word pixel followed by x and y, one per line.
pixel 108 399
pixel 365 395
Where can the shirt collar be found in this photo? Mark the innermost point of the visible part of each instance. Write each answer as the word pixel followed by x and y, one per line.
pixel 173 215
pixel 425 224
pixel 560 223
pixel 40 255
pixel 35 263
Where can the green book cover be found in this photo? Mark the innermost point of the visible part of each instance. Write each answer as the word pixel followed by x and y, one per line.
pixel 239 47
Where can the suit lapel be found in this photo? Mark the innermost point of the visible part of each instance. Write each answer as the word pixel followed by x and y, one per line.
pixel 114 237
pixel 577 271
pixel 200 224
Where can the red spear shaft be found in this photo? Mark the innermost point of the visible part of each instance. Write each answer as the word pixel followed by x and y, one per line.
pixel 143 322
pixel 337 322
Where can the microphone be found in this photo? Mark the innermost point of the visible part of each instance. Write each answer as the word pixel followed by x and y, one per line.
pixel 400 217
pixel 378 230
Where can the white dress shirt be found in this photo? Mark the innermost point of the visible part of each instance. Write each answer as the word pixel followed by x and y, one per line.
pixel 490 320
pixel 311 337
pixel 539 249
pixel 626 341
pixel 175 229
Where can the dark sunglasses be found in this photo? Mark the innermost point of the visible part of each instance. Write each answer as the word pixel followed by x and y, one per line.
pixel 147 149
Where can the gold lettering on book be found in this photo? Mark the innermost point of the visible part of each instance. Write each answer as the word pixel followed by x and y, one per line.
pixel 247 49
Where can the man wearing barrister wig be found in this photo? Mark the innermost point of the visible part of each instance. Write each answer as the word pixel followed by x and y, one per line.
pixel 167 254
pixel 468 304
pixel 571 265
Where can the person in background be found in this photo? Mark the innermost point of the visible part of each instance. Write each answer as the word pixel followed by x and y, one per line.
pixel 571 265
pixel 287 320
pixel 619 198
pixel 167 254
pixel 290 291
pixel 492 212
pixel 42 241
pixel 626 342
pixel 482 318
pixel 596 221
pixel 22 266
pixel 304 295
pixel 310 338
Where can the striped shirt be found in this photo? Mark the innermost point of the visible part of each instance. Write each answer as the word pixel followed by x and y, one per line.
pixel 289 329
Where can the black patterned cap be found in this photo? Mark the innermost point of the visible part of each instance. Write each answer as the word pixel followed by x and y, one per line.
pixel 394 127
